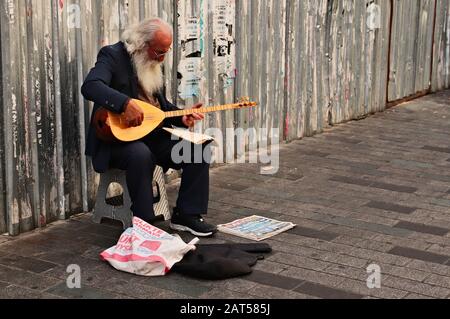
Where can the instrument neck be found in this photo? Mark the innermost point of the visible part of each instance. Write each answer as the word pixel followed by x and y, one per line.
pixel 203 110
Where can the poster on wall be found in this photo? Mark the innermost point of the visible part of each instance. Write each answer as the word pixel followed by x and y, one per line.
pixel 191 68
pixel 224 42
pixel 190 73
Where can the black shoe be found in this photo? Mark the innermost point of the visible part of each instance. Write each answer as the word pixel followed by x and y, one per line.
pixel 194 224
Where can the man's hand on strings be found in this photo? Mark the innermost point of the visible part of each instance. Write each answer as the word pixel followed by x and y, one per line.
pixel 133 115
pixel 190 120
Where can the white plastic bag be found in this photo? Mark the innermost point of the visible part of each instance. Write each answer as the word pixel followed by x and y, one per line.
pixel 146 250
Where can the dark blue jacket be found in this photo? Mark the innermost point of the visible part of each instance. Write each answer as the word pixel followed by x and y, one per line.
pixel 110 84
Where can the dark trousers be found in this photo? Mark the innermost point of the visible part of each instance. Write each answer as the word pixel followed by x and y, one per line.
pixel 139 160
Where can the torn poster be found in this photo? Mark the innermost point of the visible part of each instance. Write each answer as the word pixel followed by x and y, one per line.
pixel 190 67
pixel 189 86
pixel 224 42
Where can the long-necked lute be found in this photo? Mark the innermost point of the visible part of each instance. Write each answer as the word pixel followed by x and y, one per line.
pixel 111 127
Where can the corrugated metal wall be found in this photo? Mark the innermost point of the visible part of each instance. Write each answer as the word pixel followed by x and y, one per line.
pixel 337 63
pixel 441 50
pixel 309 64
pixel 411 54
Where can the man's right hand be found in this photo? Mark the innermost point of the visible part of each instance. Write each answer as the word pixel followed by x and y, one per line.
pixel 133 115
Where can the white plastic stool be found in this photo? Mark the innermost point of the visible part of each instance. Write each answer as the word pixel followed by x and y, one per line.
pixel 121 210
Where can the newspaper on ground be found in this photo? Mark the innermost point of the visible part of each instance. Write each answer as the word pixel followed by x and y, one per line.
pixel 256 228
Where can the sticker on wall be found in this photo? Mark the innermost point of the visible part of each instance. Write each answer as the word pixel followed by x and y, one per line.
pixel 224 42
pixel 190 66
pixel 190 71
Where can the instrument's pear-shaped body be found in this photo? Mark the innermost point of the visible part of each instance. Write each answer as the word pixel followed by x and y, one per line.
pixel 153 117
pixel 111 127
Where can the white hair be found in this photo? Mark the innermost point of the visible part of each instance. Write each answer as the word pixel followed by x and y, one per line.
pixel 136 36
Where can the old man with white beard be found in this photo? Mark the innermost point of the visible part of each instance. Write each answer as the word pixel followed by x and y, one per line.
pixel 131 69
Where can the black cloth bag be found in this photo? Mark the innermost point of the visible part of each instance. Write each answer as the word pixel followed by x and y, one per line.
pixel 221 261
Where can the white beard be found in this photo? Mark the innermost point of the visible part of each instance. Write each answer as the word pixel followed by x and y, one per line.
pixel 149 73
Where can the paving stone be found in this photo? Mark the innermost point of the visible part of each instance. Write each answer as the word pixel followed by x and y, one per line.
pixel 441 202
pixel 345 260
pixel 411 164
pixel 245 211
pixel 342 139
pixel 3 253
pixel 393 187
pixel 391 207
pixel 437 149
pixel 270 267
pixel 347 272
pixel 219 293
pixel 374 219
pixel 350 180
pixel 421 228
pixel 373 184
pixel 26 279
pixel 16 292
pixel 438 280
pixel 232 186
pixel 370 245
pixel 435 177
pixel 419 254
pixel 403 242
pixel 358 224
pixel 298 261
pixel 313 276
pixel 416 296
pixel 432 239
pixel 25 263
pixel 312 233
pixel 402 272
pixel 349 231
pixel 273 280
pixel 133 286
pixel 440 249
pixel 326 292
pixel 3 285
pixel 268 292
pixel 102 241
pixel 313 153
pixel 175 283
pixel 239 285
pixel 443 270
pixel 416 287
pixel 360 287
pixel 85 292
pixel 378 257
